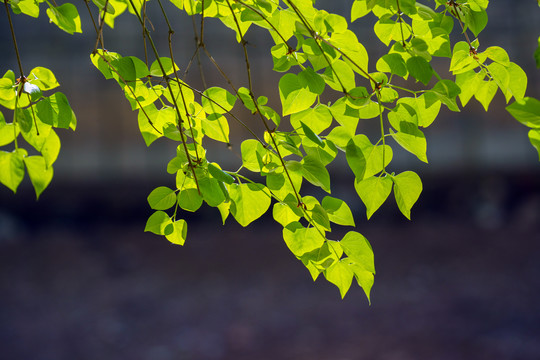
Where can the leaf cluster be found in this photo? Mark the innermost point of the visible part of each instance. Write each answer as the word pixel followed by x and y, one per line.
pixel 316 54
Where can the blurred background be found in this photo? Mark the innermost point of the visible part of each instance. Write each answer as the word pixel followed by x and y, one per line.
pixel 79 279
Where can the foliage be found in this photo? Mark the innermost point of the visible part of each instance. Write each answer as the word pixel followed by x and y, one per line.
pixel 318 55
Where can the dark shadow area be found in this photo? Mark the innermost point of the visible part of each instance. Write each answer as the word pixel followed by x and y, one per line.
pixel 80 280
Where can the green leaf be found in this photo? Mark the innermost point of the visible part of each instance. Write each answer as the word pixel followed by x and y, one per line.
pixel 130 68
pixel 159 223
pixel 168 66
pixel 388 30
pixel 498 55
pixel 314 81
pixel 190 199
pixel 66 17
pixel 446 91
pixel 358 248
pixel 315 172
pixel 469 83
pixel 56 111
pixel 411 139
pixel 392 63
pixel 346 115
pixel 216 127
pixel 11 169
pixel 301 240
pixel 283 214
pixel 359 9
pixel 364 158
pixel 534 137
pixel 249 202
pixel 28 7
pixel 311 135
pixel 219 174
pixel 179 232
pixel 40 174
pixel 485 93
pixel 340 76
pixel 213 192
pixel 162 198
pixel 102 4
pixel 216 95
pixel 316 214
pixel 340 136
pixel 476 20
pixel 317 118
pixel 44 78
pixel 7 92
pixel 338 211
pixel 364 278
pixel 537 54
pixel 420 69
pixel 279 183
pixel 325 154
pixel 341 275
pixel 526 111
pixel 252 153
pixel 518 81
pixel 8 132
pixel 426 113
pixel 407 189
pixel 373 191
pixel 51 148
pixel 295 94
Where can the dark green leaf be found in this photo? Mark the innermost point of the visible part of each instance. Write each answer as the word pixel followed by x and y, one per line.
pixel 420 69
pixel 219 174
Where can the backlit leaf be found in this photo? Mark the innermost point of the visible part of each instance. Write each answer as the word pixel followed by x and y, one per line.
pixel 159 223
pixel 301 240
pixel 364 158
pixel 249 202
pixel 338 211
pixel 315 172
pixel 534 137
pixel 66 17
pixel 40 174
pixel 407 189
pixel 358 248
pixel 179 232
pixel 526 111
pixel 373 191
pixel 162 198
pixel 11 169
pixel 340 275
